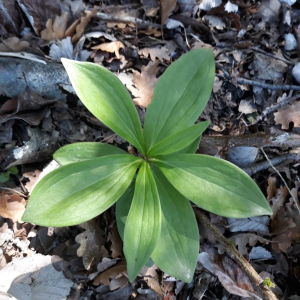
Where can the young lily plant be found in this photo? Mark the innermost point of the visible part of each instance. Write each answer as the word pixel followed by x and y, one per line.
pixel 154 215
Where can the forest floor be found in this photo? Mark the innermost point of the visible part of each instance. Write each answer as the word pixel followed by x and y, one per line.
pixel 254 116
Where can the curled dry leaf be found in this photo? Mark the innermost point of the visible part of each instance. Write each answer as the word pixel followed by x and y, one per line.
pixel 13 44
pixel 12 206
pixel 144 84
pixel 116 243
pixel 90 242
pixel 167 6
pixel 112 47
pixel 287 114
pixel 112 272
pixel 55 30
pixel 76 30
pixel 233 279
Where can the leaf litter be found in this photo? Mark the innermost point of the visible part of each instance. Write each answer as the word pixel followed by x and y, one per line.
pixel 137 40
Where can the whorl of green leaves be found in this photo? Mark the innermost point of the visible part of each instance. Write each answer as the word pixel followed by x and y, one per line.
pixel 154 215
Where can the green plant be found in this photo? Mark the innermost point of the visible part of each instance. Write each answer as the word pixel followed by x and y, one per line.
pixel 4 177
pixel 154 215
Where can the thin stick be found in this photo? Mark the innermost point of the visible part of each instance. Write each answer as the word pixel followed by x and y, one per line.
pixel 280 177
pixel 265 164
pixel 283 87
pixel 274 107
pixel 262 289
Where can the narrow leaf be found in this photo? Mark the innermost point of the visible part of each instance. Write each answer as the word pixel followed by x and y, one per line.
pixel 84 151
pixel 78 192
pixel 106 98
pixel 179 238
pixel 123 207
pixel 214 184
pixel 180 95
pixel 142 229
pixel 179 140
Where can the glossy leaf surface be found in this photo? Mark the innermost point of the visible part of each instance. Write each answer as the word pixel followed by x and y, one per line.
pixel 78 192
pixel 104 95
pixel 143 224
pixel 179 238
pixel 84 151
pixel 214 184
pixel 180 95
pixel 178 140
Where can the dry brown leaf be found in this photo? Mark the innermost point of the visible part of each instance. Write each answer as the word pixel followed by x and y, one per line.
pixel 271 189
pixel 33 177
pixel 12 206
pixel 90 242
pixel 160 52
pixel 151 31
pixel 55 30
pixel 116 243
pixel 113 272
pixel 112 47
pixel 39 12
pixel 167 6
pixel 120 281
pixel 145 83
pixel 76 30
pixel 13 44
pixel 288 113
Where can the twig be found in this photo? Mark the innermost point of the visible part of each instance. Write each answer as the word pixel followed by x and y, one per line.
pixel 271 164
pixel 262 289
pixel 274 107
pixel 272 55
pixel 125 19
pixel 266 164
pixel 11 190
pixel 283 87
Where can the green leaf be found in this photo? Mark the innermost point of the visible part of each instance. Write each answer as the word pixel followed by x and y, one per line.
pixel 78 192
pixel 180 95
pixel 179 238
pixel 123 207
pixel 192 148
pixel 83 151
pixel 142 229
pixel 4 177
pixel 106 98
pixel 179 140
pixel 214 184
pixel 13 170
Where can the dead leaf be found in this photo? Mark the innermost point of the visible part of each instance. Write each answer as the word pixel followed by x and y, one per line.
pixel 288 113
pixel 55 30
pixel 247 238
pixel 233 279
pixel 12 206
pixel 34 277
pixel 167 6
pixel 160 52
pixel 271 189
pixel 13 44
pixel 10 17
pixel 39 12
pixel 151 7
pixel 90 242
pixel 257 224
pixel 33 177
pixel 144 84
pixel 112 47
pixel 76 30
pixel 114 271
pixel 116 242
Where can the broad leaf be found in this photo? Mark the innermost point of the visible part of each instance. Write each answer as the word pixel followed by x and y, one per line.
pixel 123 207
pixel 78 192
pixel 191 148
pixel 180 95
pixel 178 140
pixel 143 224
pixel 214 184
pixel 106 98
pixel 179 237
pixel 84 151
